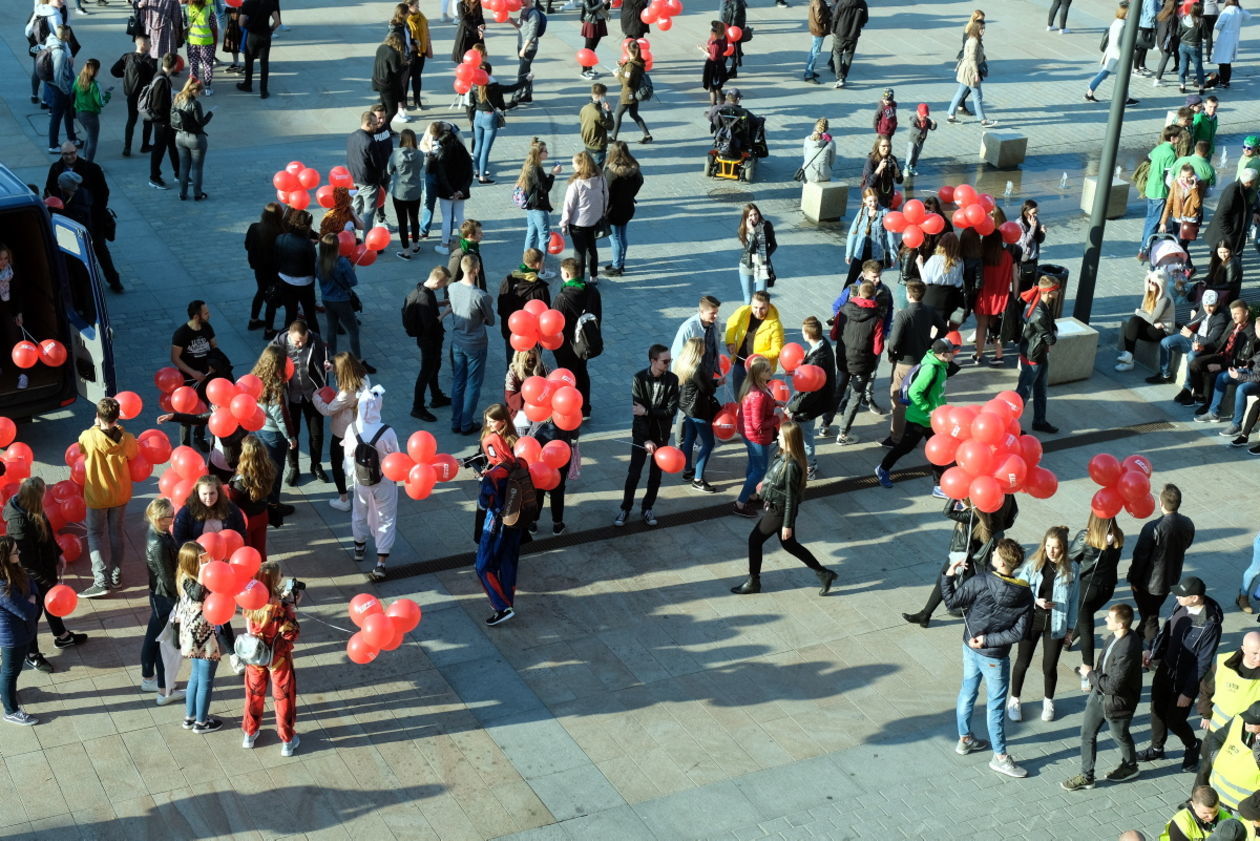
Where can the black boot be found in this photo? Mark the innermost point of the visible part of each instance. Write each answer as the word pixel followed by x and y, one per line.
pixel 317 470
pixel 825 577
pixel 920 619
pixel 752 585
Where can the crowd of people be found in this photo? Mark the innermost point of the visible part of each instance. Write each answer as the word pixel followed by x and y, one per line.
pixel 906 304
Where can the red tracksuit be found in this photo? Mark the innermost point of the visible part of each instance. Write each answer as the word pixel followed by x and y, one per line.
pixel 280 629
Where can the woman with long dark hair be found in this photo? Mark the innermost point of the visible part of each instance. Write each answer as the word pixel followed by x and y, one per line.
pixel 336 284
pixel 782 491
pixel 295 266
pixel 1055 582
pixel 585 205
pixel 490 106
pixel 471 30
pixel 389 76
pixel 21 601
pixel 277 432
pixel 943 275
pixel 881 171
pixel 631 74
pixel 698 402
pixel 757 246
pixel 260 242
pixel 1190 46
pixel 207 509
pixel 1096 550
pixel 1167 38
pixel 625 179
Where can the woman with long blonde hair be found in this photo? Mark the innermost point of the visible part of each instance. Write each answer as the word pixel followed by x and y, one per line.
pixel 189 121
pixel 275 623
pixel 1055 582
pixel 698 403
pixel 758 424
pixel 942 273
pixel 783 490
pixel 536 183
pixel 200 642
pixel 352 378
pixel 248 489
pixel 277 431
pixel 1096 550
pixel 525 364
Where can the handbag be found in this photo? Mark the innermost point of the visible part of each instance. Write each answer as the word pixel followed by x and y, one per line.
pixel 253 650
pixel 356 305
pixel 800 173
pixel 500 119
pixel 1188 231
pixel 1145 39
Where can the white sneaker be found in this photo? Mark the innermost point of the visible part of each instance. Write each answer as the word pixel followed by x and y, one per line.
pixel 148 684
pixel 1124 366
pixel 248 742
pixel 1047 709
pixel 442 249
pixel 23 381
pixel 1013 711
pixel 290 748
pixel 1124 357
pixel 207 92
pixel 163 700
pixel 970 338
pixel 339 504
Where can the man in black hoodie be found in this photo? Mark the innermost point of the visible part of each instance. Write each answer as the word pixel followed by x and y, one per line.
pixel 575 299
pixel 997 609
pixel 863 343
pixel 517 290
pixel 1158 556
pixel 159 119
pixel 913 329
pixel 847 20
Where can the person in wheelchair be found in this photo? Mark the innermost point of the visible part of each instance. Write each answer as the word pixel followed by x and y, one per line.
pixel 735 129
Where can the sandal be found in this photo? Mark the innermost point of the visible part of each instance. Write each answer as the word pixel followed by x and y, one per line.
pixel 377 574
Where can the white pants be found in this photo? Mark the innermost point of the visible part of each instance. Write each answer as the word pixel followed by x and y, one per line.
pixel 375 508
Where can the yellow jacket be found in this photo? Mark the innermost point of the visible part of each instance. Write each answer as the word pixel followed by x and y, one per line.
pixel 768 341
pixel 107 483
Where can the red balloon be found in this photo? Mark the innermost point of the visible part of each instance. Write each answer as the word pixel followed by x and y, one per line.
pixel 528 448
pixel 985 226
pixel 222 423
pixel 912 236
pixel 8 431
pixel 231 540
pixel 242 406
pixel 422 446
pixel 212 542
pixel 220 391
pixel 360 651
pixel 976 214
pixel 556 453
pixel 71 547
pixel 308 178
pixel 734 34
pixel 445 466
pixel 324 196
pixel 167 482
pixel 566 401
pixel 253 595
pixel 941 449
pixel 959 219
pixel 25 354
pixel 567 422
pixel 285 181
pixel 362 606
pixel 961 418
pixel 245 560
pixel 1041 483
pixel 74 509
pixel 946 194
pixel 168 379
pixel 986 494
pixel 298 199
pixel 537 390
pixel 294 167
pixel 522 343
pixel 551 323
pixel 724 364
pixel 987 202
pixel 1134 485
pixel 779 391
pixel 587 58
pixel 895 221
pixel 1139 463
pixel 724 425
pixel 420 481
pixel 914 211
pixel 396 466
pixel 78 471
pixel 1141 508
pixel 345 244
pixel 1105 470
pixel 670 459
pixel 339 176
pixel 251 385
pixel 184 399
pixel 729 51
pixel 52 353
pixel 648 15
pixel 941 421
pixel 555 243
pixel 129 404
pixel 377 629
pixel 60 600
pixel 975 457
pixel 405 611
pixel 537 308
pixel 809 378
pixel 524 323
pixel 256 421
pixel 219 607
pixel 956 483
pixel 364 256
pixel 1012 399
pixel 217 576
pixel 988 428
pixel 964 194
pixel 897 199
pixel 377 238
pixel 1010 232
pixel 1106 503
pixel 544 476
pixel 139 468
pixel 933 223
pixel 1011 473
pixel 536 413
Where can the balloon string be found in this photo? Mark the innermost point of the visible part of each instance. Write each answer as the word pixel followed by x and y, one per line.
pixel 26 334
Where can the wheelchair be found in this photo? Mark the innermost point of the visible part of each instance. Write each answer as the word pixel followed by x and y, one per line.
pixel 739 139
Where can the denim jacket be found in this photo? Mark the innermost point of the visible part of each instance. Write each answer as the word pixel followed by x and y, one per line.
pixel 883 244
pixel 1066 596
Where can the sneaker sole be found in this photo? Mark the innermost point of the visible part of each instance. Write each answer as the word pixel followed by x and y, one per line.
pixel 1067 787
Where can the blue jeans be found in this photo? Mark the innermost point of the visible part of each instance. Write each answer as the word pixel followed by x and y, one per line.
pixel 341 313
pixel 469 367
pixel 430 200
pixel 977 97
pixel 703 429
pixel 815 47
pixel 620 244
pixel 484 130
pixel 758 459
pixel 1032 379
pixel 1098 80
pixel 1241 392
pixel 1154 210
pixel 537 227
pixel 160 609
pixel 1185 54
pixel 200 685
pixel 1249 577
pixel 12 661
pixel 997 674
pixel 60 110
pixel 748 284
pixel 807 439
pixel 1169 344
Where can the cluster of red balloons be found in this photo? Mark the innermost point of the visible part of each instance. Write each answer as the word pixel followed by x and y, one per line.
pixel 536 325
pixel 975 210
pixel 545 461
pixel 229 576
pixel 554 396
pixel 645 49
pixel 421 467
pixel 380 628
pixel 913 222
pixel 502 8
pixel 235 404
pixel 50 351
pixel 1125 484
pixel 661 12
pixel 804 377
pixel 338 176
pixel 177 481
pixel 991 456
pixel 470 72
pixel 293 182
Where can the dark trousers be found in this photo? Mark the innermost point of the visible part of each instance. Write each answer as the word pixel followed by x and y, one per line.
pixel 160 609
pixel 163 144
pixel 314 431
pixel 556 496
pixel 858 386
pixel 1226 71
pixel 100 246
pixel 55 624
pixel 525 93
pixel 295 297
pixel 414 73
pixel 260 48
pixel 583 238
pixel 1148 610
pixel 430 364
pixel 1166 715
pixel 337 455
pixel 638 455
pixel 842 57
pixel 633 109
pixel 1094 594
pixel 1060 6
pixel 12 661
pixel 910 438
pixel 60 111
pixel 855 265
pixel 1092 723
pixel 133 114
pixel 264 279
pixel 566 358
pixel 392 97
pixel 1203 381
pixel 1051 649
pixel 1139 328
pixel 770 524
pixel 408 213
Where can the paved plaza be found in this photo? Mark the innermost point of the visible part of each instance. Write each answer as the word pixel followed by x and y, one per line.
pixel 633 697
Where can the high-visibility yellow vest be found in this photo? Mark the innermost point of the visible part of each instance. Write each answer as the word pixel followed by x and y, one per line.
pixel 1191 829
pixel 1235 775
pixel 199 32
pixel 1233 693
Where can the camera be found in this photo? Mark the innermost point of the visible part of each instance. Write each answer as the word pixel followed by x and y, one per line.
pixel 292 590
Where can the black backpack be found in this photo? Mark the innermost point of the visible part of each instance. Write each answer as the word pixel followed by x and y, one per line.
pixel 542 23
pixel 149 103
pixel 904 395
pixel 367 460
pixel 588 342
pixel 45 70
pixel 724 140
pixel 520 498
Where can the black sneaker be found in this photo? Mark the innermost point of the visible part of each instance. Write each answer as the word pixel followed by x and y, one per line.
pixel 1201 415
pixel 1045 427
pixel 1190 761
pixel 558 528
pixel 424 415
pixel 38 661
pixel 1159 379
pixel 243 86
pixel 360 551
pixel 94 592
pixel 210 725
pixel 439 401
pixel 1255 450
pixel 70 641
pixel 701 486
pixel 158 184
pixel 1124 772
pixel 1184 398
pixel 1150 755
pixel 501 616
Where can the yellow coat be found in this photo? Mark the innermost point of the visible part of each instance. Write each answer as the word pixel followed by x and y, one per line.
pixel 108 478
pixel 768 341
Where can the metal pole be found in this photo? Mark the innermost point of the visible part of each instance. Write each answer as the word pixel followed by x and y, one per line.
pixel 1106 167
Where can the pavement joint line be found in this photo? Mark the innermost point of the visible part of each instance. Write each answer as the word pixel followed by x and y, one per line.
pixel 818 488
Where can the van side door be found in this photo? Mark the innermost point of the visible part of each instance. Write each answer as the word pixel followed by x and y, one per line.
pixel 84 303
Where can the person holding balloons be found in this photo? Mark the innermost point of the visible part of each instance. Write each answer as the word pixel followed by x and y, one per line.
pixel 250 486
pixel 594 17
pixel 161 554
pixel 107 451
pixel 1039 335
pixel 21 601
pixel 698 402
pixel 375 503
pixel 1096 551
pixel 535 183
pixel 201 641
pixel 1055 581
pixel 714 75
pixel 654 396
pixel 275 623
pixel 757 423
pixel 207 509
pixel 26 523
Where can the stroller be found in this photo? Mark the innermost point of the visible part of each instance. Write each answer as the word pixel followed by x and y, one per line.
pixel 739 138
pixel 1166 254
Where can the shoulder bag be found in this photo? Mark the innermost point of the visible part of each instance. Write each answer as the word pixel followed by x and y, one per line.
pixel 253 650
pixel 800 173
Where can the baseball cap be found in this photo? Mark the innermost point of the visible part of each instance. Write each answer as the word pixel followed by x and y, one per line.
pixel 1210 297
pixel 1251 715
pixel 1193 100
pixel 1249 807
pixel 1251 142
pixel 1190 586
pixel 735 92
pixel 944 346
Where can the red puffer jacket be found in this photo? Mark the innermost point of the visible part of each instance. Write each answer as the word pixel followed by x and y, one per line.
pixel 758 422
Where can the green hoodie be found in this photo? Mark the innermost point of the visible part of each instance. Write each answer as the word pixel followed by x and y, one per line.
pixel 1161 157
pixel 927 391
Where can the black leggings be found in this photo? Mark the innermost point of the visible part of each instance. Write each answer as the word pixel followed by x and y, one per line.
pixel 556 496
pixel 296 297
pixel 264 279
pixel 314 432
pixel 592 43
pixel 392 97
pixel 337 455
pixel 633 108
pixel 1139 328
pixel 768 526
pixel 408 213
pixel 1049 661
pixel 910 438
pixel 1226 70
pixel 1093 596
pixel 414 75
pixel 583 237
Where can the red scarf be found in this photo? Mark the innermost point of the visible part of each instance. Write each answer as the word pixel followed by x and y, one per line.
pixel 1033 297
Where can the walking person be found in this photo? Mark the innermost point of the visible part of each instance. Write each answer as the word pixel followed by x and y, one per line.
pixel 998 610
pixel 107 450
pixel 200 642
pixel 862 343
pixel 1055 581
pixel 758 423
pixel 625 179
pixel 1115 688
pixel 159 120
pixel 1158 557
pixel 189 122
pixel 585 208
pixel 782 490
pixel 374 506
pixel 654 396
pixel 914 328
pixel 868 238
pixel 1111 54
pixel 714 74
pixel 529 26
pixel 819 20
pixel 21 602
pixel 472 311
pixel 136 68
pixel 1039 335
pixel 89 100
pixel 260 241
pixel 202 35
pixel 847 19
pixel 275 625
pixel 758 244
pixel 1184 209
pixel 1167 38
pixel 58 94
pixel 1223 39
pixel 926 393
pixel 1059 7
pixel 1190 46
pixel 698 401
pixel 259 20
pixel 970 73
pixel 535 183
pixel 161 555
pixel 1096 549
pixel 631 74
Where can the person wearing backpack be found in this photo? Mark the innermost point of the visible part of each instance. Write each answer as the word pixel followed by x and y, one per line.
pixel 374 506
pixel 654 396
pixel 275 625
pixel 55 67
pixel 137 69
pixel 518 289
pixel 154 106
pixel 530 26
pixel 43 22
pixel 913 329
pixel 575 299
pixel 509 503
pixel 631 73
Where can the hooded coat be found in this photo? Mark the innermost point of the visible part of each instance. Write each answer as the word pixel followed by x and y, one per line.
pixel 373 507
